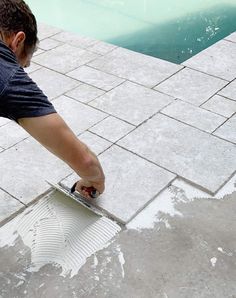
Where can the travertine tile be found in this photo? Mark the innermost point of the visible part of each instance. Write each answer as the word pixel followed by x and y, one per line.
pixel 45 31
pixel 85 93
pixel 75 39
pixel 78 116
pixel 26 166
pixel 33 67
pixel 64 58
pixel 49 44
pixel 132 102
pixel 136 67
pixel 112 129
pixel 194 116
pixel 38 52
pixel 95 78
pixel 192 154
pixel 52 83
pixel 191 86
pixel 95 143
pixel 221 105
pixel 231 37
pixel 10 134
pixel 228 130
pixel 131 183
pixel 8 206
pixel 101 48
pixel 229 91
pixel 218 60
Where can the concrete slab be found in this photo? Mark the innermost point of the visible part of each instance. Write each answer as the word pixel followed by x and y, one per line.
pixel 64 58
pixel 229 91
pixel 221 105
pixel 112 129
pixel 8 206
pixel 26 166
pixel 102 48
pixel 228 130
pixel 45 31
pixel 218 60
pixel 197 156
pixel 49 44
pixel 78 116
pixel 95 78
pixel 11 134
pixel 132 102
pixel 85 93
pixel 136 67
pixel 75 40
pixel 94 142
pixel 191 86
pixel 52 83
pixel 193 116
pixel 131 183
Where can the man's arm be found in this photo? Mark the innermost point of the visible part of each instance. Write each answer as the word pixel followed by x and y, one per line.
pixel 54 134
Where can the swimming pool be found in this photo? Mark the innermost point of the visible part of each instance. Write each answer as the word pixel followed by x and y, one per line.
pixel 173 30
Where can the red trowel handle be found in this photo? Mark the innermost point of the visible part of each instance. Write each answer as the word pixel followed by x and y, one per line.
pixel 91 190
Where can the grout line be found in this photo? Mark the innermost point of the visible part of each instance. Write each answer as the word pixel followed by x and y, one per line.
pixel 220 126
pixel 152 199
pixel 183 67
pixel 59 31
pixel 168 170
pixel 224 183
pixel 209 133
pixel 231 99
pixel 12 216
pixel 214 76
pixel 12 196
pixel 5 149
pixel 221 138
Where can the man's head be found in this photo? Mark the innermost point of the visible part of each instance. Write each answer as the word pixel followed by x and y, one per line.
pixel 18 29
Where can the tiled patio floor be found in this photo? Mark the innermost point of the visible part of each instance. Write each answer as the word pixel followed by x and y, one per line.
pixel 150 121
pixel 178 119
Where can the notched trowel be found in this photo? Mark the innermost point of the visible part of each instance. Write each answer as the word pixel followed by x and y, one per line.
pixel 74 195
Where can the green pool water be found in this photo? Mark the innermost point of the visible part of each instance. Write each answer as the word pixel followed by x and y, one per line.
pixel 173 30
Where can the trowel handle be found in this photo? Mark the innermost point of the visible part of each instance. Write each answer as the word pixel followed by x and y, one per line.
pixel 91 190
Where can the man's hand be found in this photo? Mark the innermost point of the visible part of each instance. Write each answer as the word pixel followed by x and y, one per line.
pixel 82 186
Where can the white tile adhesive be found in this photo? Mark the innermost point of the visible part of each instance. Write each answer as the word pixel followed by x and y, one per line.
pixel 59 231
pixel 166 202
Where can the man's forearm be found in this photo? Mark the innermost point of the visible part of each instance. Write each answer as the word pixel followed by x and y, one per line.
pixel 53 133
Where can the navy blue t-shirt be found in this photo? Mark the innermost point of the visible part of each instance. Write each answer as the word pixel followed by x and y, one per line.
pixel 20 97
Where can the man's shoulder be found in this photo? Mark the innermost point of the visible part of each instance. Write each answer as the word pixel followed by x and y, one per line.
pixel 8 65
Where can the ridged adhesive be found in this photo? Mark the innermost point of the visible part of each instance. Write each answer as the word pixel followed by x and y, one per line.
pixel 59 231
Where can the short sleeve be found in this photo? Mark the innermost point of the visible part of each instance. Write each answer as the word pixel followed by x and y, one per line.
pixel 22 98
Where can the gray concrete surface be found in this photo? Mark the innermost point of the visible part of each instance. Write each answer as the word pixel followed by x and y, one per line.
pixel 193 256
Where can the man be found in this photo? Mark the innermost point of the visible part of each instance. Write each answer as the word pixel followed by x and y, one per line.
pixel 22 101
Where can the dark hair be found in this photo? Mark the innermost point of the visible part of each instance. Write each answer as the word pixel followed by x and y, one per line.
pixel 15 16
